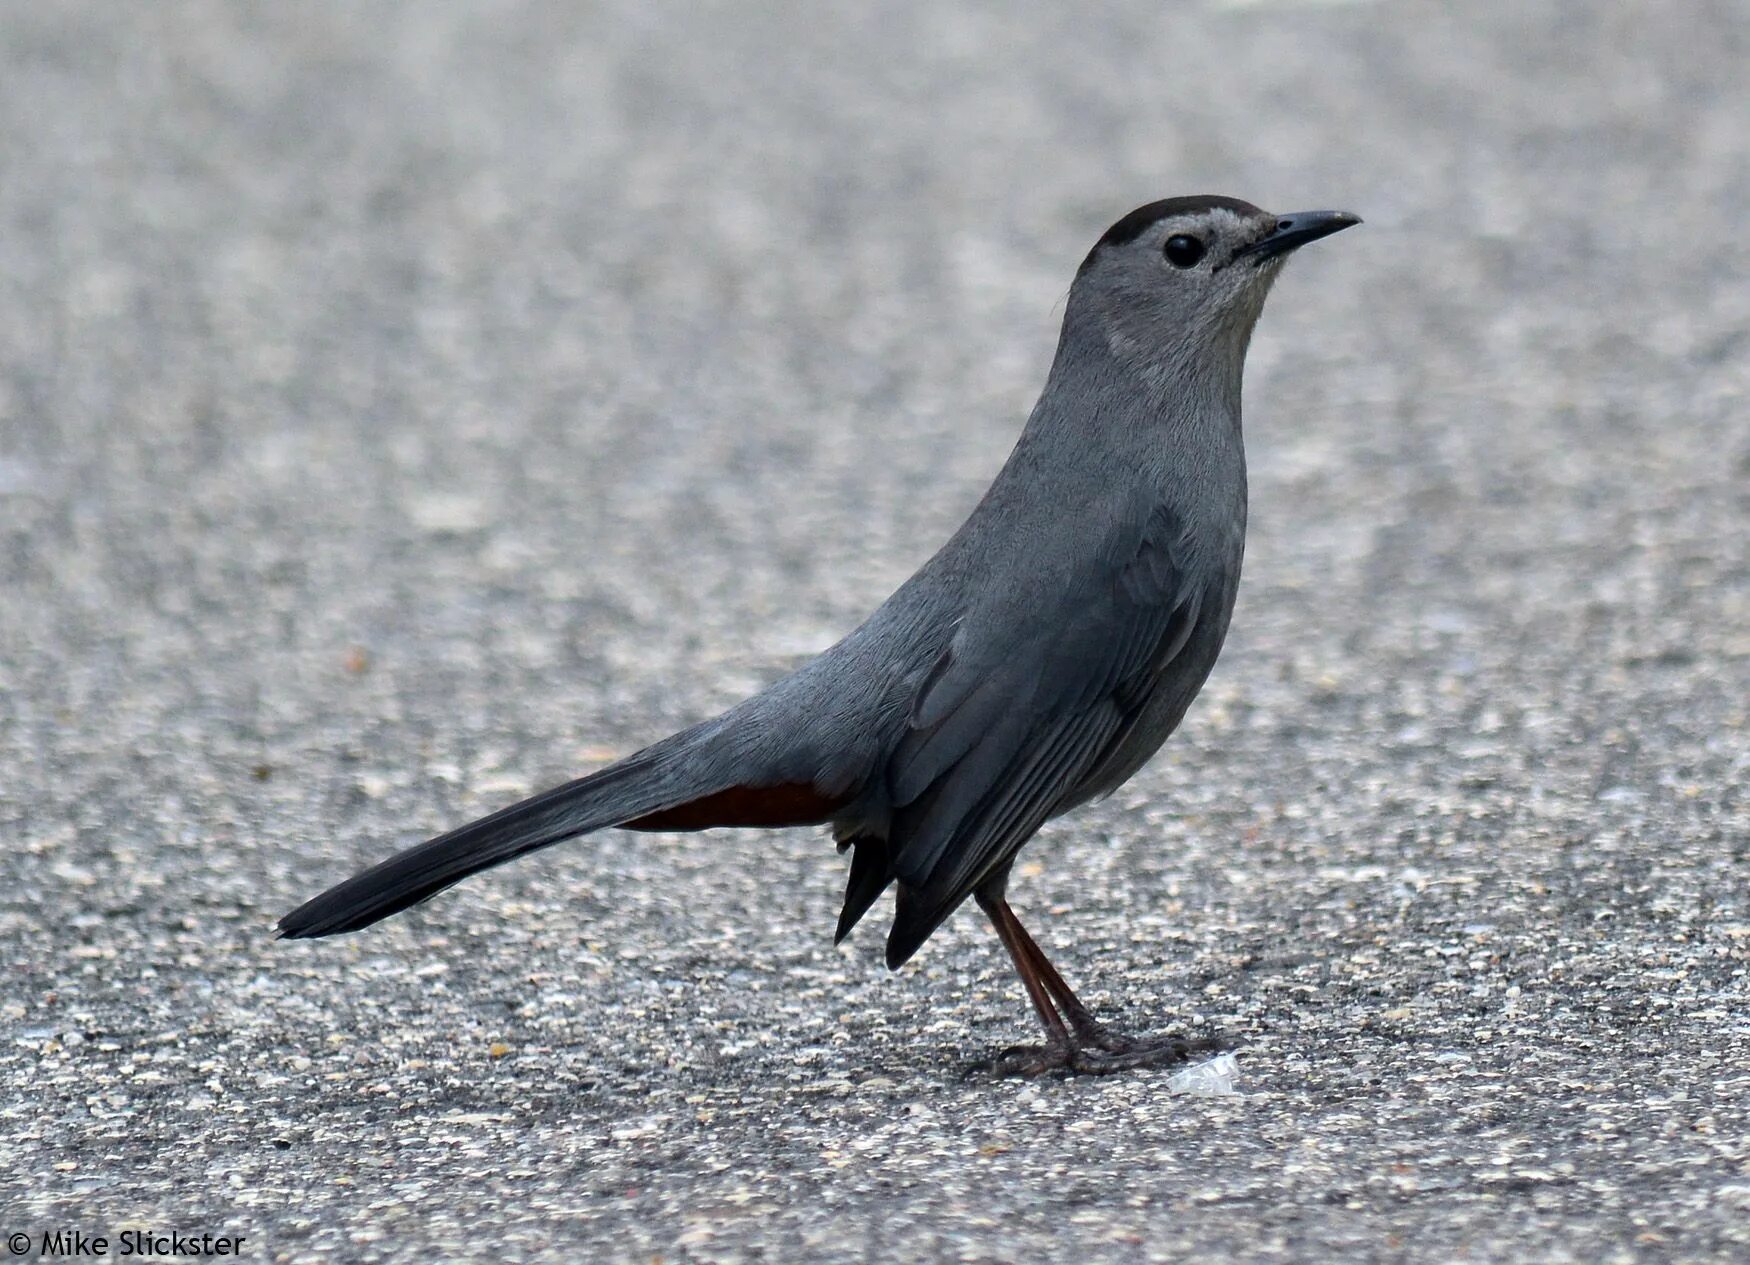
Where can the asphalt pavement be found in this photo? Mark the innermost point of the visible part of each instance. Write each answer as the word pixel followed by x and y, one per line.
pixel 406 406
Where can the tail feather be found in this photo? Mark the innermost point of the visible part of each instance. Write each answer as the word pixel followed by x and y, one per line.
pixel 614 794
pixel 691 781
pixel 871 874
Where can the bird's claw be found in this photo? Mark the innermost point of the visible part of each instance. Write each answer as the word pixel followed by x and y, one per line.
pixel 1096 1051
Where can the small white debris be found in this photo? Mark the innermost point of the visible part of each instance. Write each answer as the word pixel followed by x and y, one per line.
pixel 1212 1076
pixel 449 513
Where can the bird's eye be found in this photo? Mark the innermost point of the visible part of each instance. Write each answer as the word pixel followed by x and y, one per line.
pixel 1183 251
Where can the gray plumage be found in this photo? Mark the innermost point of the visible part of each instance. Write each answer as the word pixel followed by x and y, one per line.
pixel 1034 663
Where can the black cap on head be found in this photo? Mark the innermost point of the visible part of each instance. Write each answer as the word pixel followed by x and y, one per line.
pixel 1133 226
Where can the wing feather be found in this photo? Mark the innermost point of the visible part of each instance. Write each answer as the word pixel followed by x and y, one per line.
pixel 1005 729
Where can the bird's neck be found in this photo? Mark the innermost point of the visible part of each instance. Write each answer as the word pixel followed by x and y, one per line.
pixel 1146 381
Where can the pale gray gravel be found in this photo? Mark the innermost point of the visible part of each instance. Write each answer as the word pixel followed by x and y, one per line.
pixel 404 406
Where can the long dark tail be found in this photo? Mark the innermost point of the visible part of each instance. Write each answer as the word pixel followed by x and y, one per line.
pixel 665 787
pixel 419 873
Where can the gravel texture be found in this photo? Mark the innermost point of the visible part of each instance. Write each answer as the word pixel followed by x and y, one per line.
pixel 404 406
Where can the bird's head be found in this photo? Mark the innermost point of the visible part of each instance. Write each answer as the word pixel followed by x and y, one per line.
pixel 1185 278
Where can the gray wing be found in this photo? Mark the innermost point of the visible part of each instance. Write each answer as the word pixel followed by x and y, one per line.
pixel 1005 728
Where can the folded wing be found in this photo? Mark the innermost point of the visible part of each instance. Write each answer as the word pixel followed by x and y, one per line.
pixel 1005 728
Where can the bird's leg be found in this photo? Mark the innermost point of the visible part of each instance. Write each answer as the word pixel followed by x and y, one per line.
pixel 1028 1060
pixel 1088 1030
pixel 1075 1040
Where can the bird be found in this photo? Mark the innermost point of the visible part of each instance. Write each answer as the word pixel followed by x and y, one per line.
pixel 1033 664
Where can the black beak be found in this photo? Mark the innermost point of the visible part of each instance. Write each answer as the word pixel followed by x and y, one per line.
pixel 1296 230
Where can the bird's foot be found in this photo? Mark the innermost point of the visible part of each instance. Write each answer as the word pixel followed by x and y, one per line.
pixel 1097 1051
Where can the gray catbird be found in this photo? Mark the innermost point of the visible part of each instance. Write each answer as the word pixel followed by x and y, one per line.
pixel 1033 664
